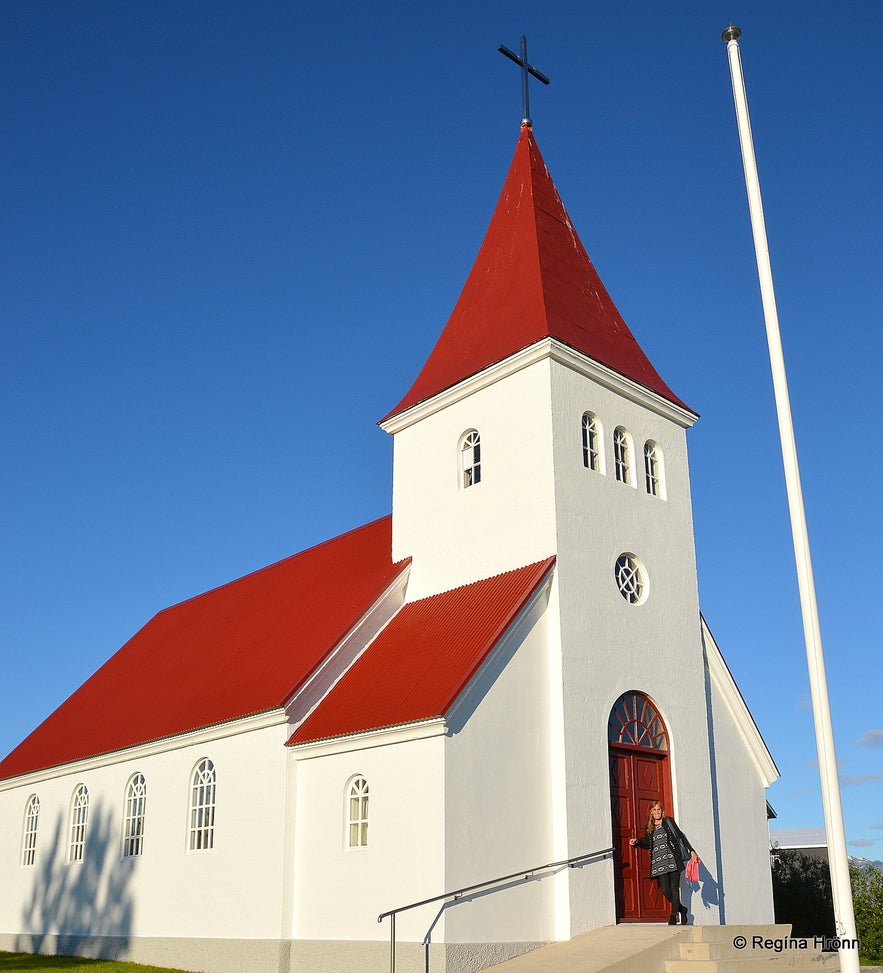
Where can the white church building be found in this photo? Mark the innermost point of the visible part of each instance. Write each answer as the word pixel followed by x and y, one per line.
pixel 501 675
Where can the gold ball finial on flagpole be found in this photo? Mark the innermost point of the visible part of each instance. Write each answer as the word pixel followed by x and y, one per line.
pixel 732 33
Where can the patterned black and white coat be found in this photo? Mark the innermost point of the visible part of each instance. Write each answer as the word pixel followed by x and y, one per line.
pixel 677 842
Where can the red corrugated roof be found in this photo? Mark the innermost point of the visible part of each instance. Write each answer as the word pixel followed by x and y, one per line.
pixel 532 279
pixel 423 659
pixel 231 652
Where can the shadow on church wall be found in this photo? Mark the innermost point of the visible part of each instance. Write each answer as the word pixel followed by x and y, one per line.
pixel 712 893
pixel 708 890
pixel 74 908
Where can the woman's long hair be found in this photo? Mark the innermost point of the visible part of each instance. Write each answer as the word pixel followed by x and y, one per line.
pixel 651 824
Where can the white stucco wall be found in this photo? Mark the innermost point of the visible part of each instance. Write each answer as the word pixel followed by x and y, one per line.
pixel 536 498
pixel 230 891
pixel 499 789
pixel 339 891
pixel 742 850
pixel 457 535
pixel 610 646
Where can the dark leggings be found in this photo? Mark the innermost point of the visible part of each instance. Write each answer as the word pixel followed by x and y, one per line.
pixel 670 883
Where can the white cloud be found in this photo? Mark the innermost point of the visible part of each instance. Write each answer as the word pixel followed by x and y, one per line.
pixel 855 781
pixel 814 764
pixel 871 738
pixel 861 842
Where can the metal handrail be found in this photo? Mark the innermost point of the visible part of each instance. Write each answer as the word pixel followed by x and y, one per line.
pixel 524 874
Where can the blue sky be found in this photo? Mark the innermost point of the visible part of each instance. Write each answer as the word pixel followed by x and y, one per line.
pixel 233 232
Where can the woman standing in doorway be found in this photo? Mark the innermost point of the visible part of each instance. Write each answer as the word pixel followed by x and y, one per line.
pixel 668 847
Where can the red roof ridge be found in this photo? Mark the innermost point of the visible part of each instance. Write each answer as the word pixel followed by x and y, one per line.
pixel 421 662
pixel 152 741
pixel 231 653
pixel 543 567
pixel 547 561
pixel 277 564
pixel 531 279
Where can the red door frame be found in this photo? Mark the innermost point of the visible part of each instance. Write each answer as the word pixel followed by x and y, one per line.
pixel 639 775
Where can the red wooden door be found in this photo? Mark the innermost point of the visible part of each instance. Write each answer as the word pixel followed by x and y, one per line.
pixel 639 775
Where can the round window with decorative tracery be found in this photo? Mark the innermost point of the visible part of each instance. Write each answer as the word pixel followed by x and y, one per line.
pixel 631 579
pixel 635 723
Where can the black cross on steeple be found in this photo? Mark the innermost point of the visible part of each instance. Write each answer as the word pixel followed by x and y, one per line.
pixel 526 69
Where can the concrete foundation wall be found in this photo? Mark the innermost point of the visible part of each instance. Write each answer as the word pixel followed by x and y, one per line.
pixel 199 955
pixel 271 955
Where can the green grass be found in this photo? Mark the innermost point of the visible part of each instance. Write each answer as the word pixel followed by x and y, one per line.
pixel 48 964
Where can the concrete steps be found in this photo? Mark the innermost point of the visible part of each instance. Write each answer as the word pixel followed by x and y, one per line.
pixel 637 948
pixel 714 949
pixel 632 948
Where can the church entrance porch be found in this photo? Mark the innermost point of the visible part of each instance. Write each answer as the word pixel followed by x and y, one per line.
pixel 639 775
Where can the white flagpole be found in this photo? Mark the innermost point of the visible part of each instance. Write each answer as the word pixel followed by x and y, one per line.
pixel 837 855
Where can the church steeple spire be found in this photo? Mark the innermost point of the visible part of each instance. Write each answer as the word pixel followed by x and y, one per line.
pixel 532 279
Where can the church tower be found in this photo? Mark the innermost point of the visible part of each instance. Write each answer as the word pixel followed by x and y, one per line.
pixel 538 427
pixel 486 435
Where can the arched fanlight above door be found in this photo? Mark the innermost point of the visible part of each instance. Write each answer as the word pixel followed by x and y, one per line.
pixel 634 722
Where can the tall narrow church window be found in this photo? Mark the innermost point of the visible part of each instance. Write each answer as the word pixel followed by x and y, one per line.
pixel 622 455
pixel 29 832
pixel 357 813
pixel 133 820
pixel 630 578
pixel 635 722
pixel 591 442
pixel 470 458
pixel 653 469
pixel 78 820
pixel 203 786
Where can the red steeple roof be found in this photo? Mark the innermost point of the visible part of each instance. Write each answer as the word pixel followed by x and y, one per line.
pixel 532 279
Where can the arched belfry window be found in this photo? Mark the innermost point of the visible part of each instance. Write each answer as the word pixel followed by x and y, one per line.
pixel 622 455
pixel 653 469
pixel 470 458
pixel 357 812
pixel 635 722
pixel 592 456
